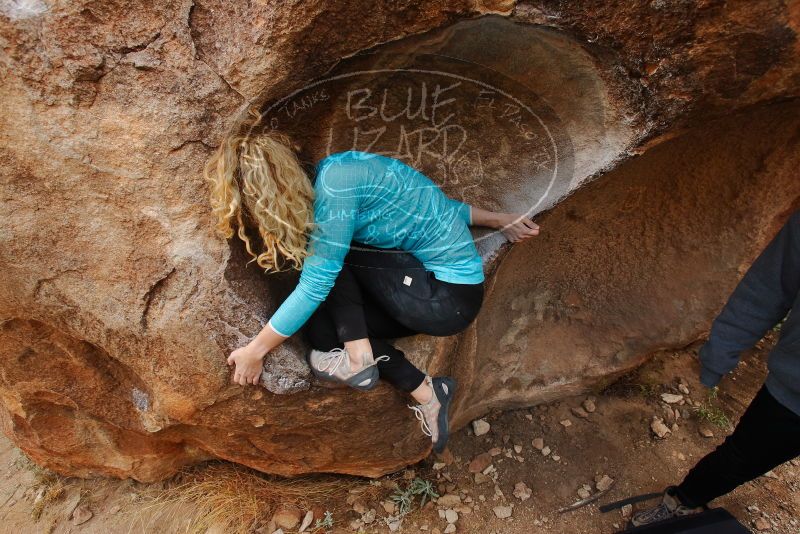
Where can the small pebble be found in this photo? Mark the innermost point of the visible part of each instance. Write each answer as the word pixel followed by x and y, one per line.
pixel 369 517
pixel 671 398
pixel 580 412
pixel 480 427
pixel 603 482
pixel 522 491
pixel 449 500
pixel 480 462
pixel 81 515
pixel 480 478
pixel 659 428
pixel 307 521
pixel 502 512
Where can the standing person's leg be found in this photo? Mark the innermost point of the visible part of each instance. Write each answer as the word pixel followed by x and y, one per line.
pixel 768 434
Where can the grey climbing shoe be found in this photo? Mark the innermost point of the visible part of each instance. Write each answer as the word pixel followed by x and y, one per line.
pixel 433 416
pixel 334 366
pixel 670 507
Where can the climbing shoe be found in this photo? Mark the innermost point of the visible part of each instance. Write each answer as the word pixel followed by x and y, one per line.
pixel 433 415
pixel 670 507
pixel 334 366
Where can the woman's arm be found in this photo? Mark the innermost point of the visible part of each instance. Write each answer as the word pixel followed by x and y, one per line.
pixel 514 226
pixel 335 208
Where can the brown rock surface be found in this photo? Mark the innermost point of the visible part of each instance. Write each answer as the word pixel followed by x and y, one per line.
pixel 118 304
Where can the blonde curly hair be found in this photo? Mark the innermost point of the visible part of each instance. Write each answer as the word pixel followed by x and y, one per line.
pixel 258 182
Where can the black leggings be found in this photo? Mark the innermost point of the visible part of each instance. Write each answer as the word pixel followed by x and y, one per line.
pixel 768 434
pixel 386 294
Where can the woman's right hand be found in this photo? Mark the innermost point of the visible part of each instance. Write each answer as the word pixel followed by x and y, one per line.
pixel 517 226
pixel 248 364
pixel 249 360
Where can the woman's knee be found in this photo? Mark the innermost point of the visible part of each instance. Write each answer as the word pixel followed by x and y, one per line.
pixel 454 321
pixel 457 312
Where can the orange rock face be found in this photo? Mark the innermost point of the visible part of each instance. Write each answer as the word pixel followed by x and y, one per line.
pixel 657 145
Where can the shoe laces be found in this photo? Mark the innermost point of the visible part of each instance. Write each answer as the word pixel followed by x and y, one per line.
pixel 426 429
pixel 421 414
pixel 332 360
pixel 658 513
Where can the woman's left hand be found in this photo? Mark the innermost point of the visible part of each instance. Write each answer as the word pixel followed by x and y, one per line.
pixel 517 227
pixel 248 364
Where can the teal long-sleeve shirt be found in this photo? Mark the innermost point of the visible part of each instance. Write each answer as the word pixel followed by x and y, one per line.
pixel 378 201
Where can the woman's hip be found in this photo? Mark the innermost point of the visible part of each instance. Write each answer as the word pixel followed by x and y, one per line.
pixel 416 298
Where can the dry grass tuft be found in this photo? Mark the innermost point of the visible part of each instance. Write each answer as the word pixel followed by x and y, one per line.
pixel 50 488
pixel 48 485
pixel 227 497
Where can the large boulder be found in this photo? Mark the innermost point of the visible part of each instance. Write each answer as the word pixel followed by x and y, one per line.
pixel 659 138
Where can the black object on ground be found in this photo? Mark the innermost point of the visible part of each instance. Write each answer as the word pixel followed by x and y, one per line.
pixel 714 521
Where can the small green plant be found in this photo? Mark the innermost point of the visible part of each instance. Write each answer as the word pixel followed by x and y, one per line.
pixel 326 523
pixel 713 415
pixel 708 411
pixel 404 498
pixel 423 488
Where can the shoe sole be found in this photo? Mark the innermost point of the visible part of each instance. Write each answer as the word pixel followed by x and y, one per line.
pixel 368 373
pixel 443 420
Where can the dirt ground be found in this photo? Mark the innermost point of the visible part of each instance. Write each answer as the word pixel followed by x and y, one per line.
pixel 615 440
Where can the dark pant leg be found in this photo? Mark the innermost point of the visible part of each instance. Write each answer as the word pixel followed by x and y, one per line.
pixel 397 370
pixel 347 314
pixel 768 434
pixel 345 305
